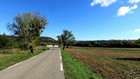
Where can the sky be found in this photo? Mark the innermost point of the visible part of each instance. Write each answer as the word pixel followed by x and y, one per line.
pixel 87 19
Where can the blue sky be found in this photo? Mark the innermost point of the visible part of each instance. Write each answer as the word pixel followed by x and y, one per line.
pixel 87 19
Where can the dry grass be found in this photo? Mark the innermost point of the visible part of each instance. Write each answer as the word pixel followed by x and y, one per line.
pixel 110 63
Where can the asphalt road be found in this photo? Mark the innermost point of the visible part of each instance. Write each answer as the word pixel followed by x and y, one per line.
pixel 47 65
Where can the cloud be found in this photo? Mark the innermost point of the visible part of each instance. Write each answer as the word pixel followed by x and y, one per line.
pixel 123 10
pixel 134 7
pixel 136 31
pixel 126 10
pixel 103 3
pixel 134 1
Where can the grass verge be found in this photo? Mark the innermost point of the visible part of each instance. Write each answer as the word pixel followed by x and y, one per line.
pixel 75 69
pixel 7 60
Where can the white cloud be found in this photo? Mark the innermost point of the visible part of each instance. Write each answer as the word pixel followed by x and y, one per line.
pixel 134 7
pixel 134 1
pixel 103 3
pixel 123 10
pixel 136 31
pixel 126 10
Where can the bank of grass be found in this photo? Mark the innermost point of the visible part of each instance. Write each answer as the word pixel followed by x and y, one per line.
pixel 7 60
pixel 75 69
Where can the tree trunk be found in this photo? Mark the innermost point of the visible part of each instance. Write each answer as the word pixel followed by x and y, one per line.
pixel 31 49
pixel 67 46
pixel 59 44
pixel 63 47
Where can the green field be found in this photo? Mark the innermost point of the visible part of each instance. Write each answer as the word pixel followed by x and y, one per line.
pixel 7 60
pixel 75 69
pixel 110 63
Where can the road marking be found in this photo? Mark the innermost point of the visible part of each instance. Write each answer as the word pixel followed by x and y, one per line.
pixel 61 66
pixel 14 65
pixel 60 52
pixel 60 57
pixel 19 63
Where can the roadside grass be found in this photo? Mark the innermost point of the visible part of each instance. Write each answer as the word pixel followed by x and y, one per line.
pixel 110 63
pixel 75 69
pixel 7 60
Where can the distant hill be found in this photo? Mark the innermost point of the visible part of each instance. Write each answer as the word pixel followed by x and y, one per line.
pixel 48 40
pixel 43 40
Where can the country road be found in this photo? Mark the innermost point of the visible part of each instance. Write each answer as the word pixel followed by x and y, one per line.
pixel 47 65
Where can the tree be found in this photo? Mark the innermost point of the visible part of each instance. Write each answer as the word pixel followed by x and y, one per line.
pixel 4 41
pixel 7 42
pixel 59 40
pixel 27 27
pixel 67 38
pixel 136 43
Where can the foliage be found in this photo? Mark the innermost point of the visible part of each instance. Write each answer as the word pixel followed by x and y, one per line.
pixel 67 38
pixel 59 40
pixel 109 43
pixel 27 27
pixel 137 42
pixel 7 42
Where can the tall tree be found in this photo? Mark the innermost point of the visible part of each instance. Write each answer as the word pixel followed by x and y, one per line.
pixel 67 38
pixel 27 27
pixel 59 40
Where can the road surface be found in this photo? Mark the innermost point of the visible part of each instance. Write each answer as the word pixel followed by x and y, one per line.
pixel 47 65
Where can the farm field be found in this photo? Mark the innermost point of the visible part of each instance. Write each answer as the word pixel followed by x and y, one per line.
pixel 110 63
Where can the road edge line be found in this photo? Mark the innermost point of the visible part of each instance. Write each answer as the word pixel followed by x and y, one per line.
pixel 21 61
pixel 61 61
pixel 14 65
pixel 61 67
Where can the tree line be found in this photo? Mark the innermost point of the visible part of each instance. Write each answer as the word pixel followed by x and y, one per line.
pixel 7 42
pixel 109 43
pixel 10 41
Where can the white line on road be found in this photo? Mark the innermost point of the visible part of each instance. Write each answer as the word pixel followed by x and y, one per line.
pixel 14 65
pixel 60 57
pixel 60 52
pixel 19 63
pixel 61 66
